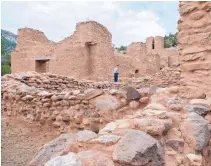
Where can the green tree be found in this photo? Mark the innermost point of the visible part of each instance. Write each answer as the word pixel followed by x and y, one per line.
pixel 6 67
pixel 2 47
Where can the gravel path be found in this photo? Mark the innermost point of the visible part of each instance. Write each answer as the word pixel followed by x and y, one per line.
pixel 21 141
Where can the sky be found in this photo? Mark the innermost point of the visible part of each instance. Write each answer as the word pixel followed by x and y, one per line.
pixel 127 21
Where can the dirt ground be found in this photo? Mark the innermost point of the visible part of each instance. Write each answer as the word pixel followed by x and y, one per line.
pixel 20 141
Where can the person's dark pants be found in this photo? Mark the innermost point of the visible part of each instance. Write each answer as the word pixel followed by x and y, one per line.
pixel 115 77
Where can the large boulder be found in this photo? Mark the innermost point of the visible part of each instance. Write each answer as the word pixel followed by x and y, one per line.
pixel 138 148
pixel 71 159
pixel 195 131
pixel 52 149
pixel 201 110
pixel 131 93
pixel 105 102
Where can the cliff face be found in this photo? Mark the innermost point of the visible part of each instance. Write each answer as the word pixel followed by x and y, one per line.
pixel 194 40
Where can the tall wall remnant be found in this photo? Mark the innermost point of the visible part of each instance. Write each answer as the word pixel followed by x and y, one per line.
pixel 194 39
pixel 87 53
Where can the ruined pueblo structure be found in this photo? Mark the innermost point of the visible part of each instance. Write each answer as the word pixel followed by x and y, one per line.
pixel 160 117
pixel 88 54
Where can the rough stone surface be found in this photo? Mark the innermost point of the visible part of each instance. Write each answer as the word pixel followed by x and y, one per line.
pixel 95 158
pixel 193 159
pixel 106 102
pixel 195 131
pixel 153 126
pixel 71 159
pixel 85 135
pixel 176 144
pixel 52 148
pixel 194 43
pixel 137 148
pixel 107 139
pixel 131 93
pixel 201 110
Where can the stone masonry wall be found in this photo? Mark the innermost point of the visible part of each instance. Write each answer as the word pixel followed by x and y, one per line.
pixel 67 103
pixel 194 39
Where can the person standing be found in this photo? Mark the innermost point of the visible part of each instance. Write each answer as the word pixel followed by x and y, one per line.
pixel 116 73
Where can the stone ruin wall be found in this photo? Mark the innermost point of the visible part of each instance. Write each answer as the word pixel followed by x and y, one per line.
pixel 92 56
pixel 31 44
pixel 194 39
pixel 137 49
pixel 146 59
pixel 87 53
pixel 65 101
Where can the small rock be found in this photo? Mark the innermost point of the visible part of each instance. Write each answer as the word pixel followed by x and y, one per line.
pixel 154 113
pixel 131 93
pixel 105 102
pixel 176 144
pixel 174 89
pixel 193 160
pixel 154 127
pixel 107 139
pixel 155 106
pixel 175 107
pixel 93 93
pixel 200 110
pixel 85 135
pixel 144 100
pixel 76 92
pixel 134 104
pixel 113 91
pixel 201 102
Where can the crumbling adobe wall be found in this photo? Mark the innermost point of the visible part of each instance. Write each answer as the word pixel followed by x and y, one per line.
pixel 87 53
pixel 128 65
pixel 152 63
pixel 194 39
pixel 137 49
pixel 31 44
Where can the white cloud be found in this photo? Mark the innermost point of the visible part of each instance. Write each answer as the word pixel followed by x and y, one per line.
pixel 58 19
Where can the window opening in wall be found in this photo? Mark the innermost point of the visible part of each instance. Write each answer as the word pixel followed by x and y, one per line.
pixel 136 71
pixel 153 44
pixel 41 66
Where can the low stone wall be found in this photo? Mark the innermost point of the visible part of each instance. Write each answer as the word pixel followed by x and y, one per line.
pixel 165 78
pixel 67 105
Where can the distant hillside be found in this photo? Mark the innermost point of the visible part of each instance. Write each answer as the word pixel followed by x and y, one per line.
pixel 170 40
pixel 9 43
pixel 9 36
